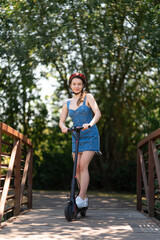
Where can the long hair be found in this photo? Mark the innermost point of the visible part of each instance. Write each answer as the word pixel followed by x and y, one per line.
pixel 82 97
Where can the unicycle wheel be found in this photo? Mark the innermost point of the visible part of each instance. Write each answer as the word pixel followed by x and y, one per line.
pixel 69 214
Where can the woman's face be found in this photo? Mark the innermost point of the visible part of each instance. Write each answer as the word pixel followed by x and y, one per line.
pixel 76 85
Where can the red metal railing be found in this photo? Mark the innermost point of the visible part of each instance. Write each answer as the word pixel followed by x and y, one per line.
pixel 16 162
pixel 148 174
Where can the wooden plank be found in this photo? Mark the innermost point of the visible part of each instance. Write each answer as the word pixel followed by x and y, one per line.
pixel 151 136
pixel 24 177
pixel 158 212
pixel 155 134
pixel 3 165
pixel 24 203
pixel 7 143
pixel 8 210
pixel 139 184
pixel 30 183
pixel 144 174
pixel 15 157
pixel 17 181
pixel 4 154
pixel 0 153
pixel 10 197
pixel 2 177
pixel 143 141
pixel 156 160
pixel 11 188
pixel 14 134
pixel 151 181
pixel 7 180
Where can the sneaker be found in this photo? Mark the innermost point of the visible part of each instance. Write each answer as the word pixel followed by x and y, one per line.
pixel 81 203
pixel 86 200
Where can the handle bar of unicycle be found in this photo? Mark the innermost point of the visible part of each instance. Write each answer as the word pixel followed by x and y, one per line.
pixel 76 129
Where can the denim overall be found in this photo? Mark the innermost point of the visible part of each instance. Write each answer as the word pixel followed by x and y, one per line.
pixel 89 139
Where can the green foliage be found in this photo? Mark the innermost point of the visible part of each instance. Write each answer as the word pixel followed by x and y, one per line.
pixel 53 161
pixel 116 45
pixel 17 66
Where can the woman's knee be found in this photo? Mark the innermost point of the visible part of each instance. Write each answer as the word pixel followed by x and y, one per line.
pixel 85 160
pixel 78 163
pixel 78 169
pixel 83 166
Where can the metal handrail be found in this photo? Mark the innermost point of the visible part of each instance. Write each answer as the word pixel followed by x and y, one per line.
pixel 18 140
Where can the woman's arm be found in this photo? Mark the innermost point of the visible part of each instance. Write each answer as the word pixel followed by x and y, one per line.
pixel 63 117
pixel 97 114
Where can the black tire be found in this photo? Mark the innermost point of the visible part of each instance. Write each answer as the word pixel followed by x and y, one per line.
pixel 69 214
pixel 83 214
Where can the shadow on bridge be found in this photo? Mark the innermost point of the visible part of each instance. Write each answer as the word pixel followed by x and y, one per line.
pixel 107 218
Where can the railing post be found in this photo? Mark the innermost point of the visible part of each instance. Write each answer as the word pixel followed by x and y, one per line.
pixel 8 179
pixel 153 172
pixel 0 159
pixel 139 183
pixel 30 172
pixel 15 165
pixel 151 180
pixel 0 151
pixel 17 180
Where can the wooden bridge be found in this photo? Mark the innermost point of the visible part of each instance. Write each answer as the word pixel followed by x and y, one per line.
pixel 148 174
pixel 15 172
pixel 107 217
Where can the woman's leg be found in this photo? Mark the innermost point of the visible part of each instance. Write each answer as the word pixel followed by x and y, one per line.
pixel 84 161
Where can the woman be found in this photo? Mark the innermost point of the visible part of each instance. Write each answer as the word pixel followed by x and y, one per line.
pixel 84 111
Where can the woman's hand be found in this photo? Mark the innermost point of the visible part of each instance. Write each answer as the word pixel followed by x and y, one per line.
pixel 64 129
pixel 86 126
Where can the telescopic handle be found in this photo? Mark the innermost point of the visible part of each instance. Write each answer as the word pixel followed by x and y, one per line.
pixel 76 129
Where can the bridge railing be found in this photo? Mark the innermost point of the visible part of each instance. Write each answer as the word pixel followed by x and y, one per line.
pixel 16 153
pixel 148 174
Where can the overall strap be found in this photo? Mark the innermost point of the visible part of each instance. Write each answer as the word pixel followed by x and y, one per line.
pixel 68 102
pixel 84 103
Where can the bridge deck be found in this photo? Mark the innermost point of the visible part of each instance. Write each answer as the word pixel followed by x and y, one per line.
pixel 107 218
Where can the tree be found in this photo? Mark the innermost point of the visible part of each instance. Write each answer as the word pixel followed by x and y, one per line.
pixel 115 44
pixel 17 69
